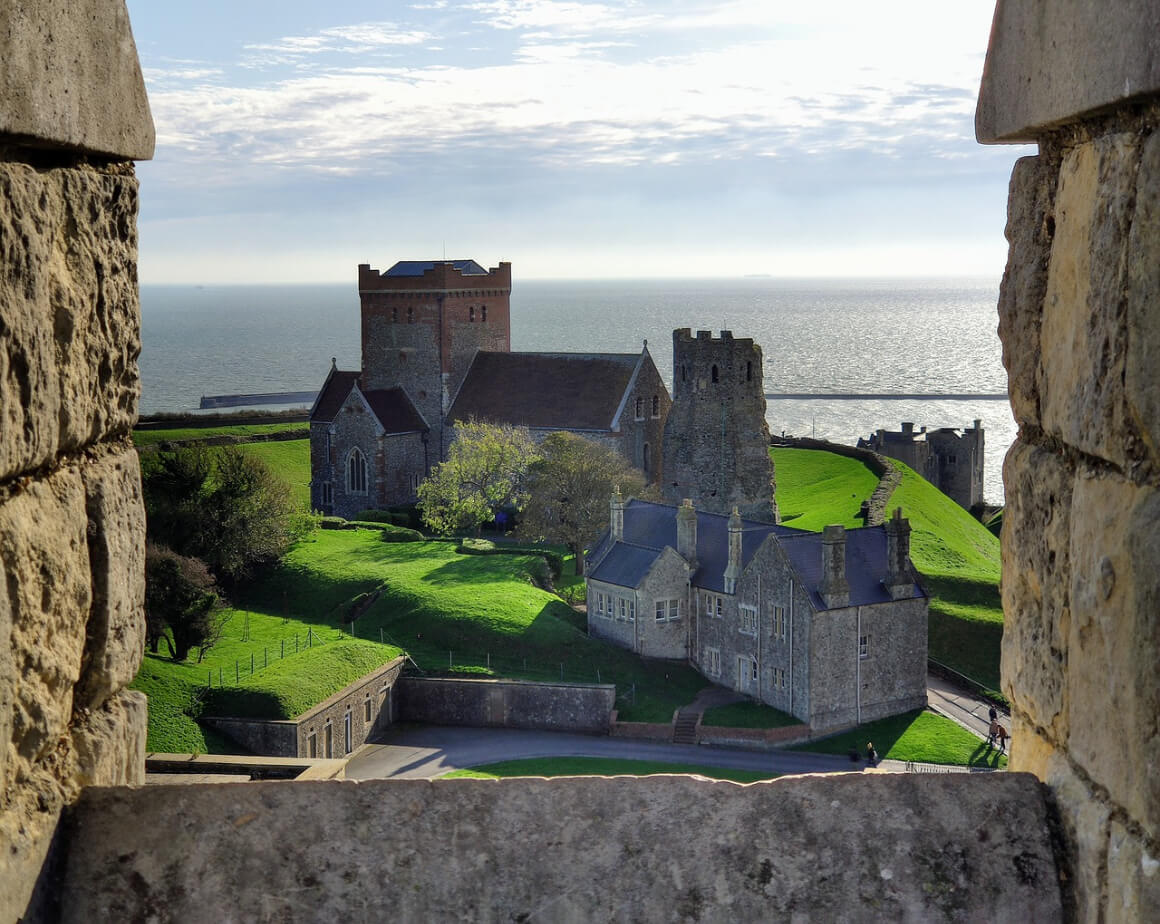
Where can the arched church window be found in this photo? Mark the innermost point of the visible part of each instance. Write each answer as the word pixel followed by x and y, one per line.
pixel 714 375
pixel 639 408
pixel 656 407
pixel 356 472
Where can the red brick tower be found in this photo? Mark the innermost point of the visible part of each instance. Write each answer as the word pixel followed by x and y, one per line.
pixel 422 323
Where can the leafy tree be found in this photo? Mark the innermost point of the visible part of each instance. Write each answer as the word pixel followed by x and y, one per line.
pixel 181 603
pixel 225 507
pixel 485 471
pixel 569 488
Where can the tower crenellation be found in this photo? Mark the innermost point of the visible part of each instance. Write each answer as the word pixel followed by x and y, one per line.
pixel 716 441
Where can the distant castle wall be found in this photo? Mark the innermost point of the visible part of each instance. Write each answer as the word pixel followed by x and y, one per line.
pixel 716 439
pixel 949 459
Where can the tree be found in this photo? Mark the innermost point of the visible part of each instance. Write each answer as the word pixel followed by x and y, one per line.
pixel 569 488
pixel 181 603
pixel 225 507
pixel 485 472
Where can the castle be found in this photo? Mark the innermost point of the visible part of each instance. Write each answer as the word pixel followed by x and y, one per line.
pixel 436 349
pixel 950 459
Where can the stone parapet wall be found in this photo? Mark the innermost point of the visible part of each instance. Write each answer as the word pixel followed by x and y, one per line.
pixel 1079 317
pixel 507 704
pixel 72 522
pixel 580 849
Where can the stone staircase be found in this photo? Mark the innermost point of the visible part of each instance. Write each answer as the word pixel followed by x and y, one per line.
pixel 685 728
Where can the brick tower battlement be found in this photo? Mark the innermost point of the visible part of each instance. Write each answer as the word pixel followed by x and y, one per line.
pixel 424 321
pixel 716 444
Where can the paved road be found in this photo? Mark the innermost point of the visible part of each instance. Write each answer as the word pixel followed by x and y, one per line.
pixel 426 751
pixel 961 706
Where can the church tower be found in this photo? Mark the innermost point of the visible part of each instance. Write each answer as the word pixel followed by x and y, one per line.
pixel 716 445
pixel 422 323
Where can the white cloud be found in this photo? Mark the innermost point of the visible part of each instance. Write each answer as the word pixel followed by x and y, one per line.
pixel 357 39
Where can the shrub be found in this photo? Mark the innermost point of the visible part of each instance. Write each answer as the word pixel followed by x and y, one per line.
pixel 332 523
pixel 400 534
pixel 392 517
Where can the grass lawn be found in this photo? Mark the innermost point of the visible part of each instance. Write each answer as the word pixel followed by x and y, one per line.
pixel 956 554
pixel 290 460
pixel 815 489
pixel 600 766
pixel 920 736
pixel 152 436
pixel 748 715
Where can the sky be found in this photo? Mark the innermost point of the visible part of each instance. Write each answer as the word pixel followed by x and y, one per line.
pixel 648 138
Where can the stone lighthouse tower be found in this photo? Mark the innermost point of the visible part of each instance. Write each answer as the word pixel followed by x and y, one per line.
pixel 716 445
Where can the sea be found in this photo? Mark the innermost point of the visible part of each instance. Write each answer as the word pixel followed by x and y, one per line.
pixel 860 349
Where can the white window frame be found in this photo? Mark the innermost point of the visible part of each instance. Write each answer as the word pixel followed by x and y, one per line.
pixel 713 662
pixel 675 607
pixel 753 670
pixel 779 623
pixel 863 647
pixel 748 623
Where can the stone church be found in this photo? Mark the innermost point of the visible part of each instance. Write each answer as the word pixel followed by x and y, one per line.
pixel 436 349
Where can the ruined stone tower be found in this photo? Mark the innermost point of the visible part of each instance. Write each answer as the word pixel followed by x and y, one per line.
pixel 716 445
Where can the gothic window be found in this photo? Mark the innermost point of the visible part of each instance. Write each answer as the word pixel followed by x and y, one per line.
pixel 471 313
pixel 356 472
pixel 749 372
pixel 639 408
pixel 483 314
pixel 714 374
pixel 656 407
pixel 410 314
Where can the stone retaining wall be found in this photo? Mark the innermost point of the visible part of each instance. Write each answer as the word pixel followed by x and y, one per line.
pixel 888 476
pixel 751 738
pixel 507 704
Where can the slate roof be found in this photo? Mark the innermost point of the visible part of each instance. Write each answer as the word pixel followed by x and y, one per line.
pixel 391 406
pixel 649 527
pixel 419 267
pixel 559 391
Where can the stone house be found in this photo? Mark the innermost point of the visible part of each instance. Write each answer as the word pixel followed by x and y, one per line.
pixel 436 349
pixel 949 458
pixel 830 627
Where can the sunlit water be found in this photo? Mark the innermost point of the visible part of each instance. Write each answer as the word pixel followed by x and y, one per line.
pixel 818 336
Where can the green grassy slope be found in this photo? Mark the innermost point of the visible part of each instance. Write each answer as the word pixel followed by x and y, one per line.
pixel 151 436
pixel 957 556
pixel 290 460
pixel 600 766
pixel 815 489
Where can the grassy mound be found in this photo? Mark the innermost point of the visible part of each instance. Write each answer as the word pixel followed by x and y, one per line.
pixel 151 436
pixel 600 766
pixel 290 461
pixel 919 736
pixel 815 489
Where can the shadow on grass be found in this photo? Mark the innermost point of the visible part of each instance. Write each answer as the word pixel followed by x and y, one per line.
pixel 239 703
pixel 986 755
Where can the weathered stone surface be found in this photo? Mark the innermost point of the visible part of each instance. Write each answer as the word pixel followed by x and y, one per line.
pixel 110 742
pixel 1133 878
pixel 652 849
pixel 71 78
pixel 69 327
pixel 1030 228
pixel 1143 305
pixel 1037 614
pixel 1113 687
pixel 116 532
pixel 1083 338
pixel 1054 61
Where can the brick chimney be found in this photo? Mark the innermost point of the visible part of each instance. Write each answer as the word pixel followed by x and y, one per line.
pixel 835 589
pixel 687 532
pixel 733 568
pixel 616 518
pixel 899 580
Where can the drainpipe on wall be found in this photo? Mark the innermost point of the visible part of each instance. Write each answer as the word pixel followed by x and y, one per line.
pixel 858 667
pixel 759 661
pixel 791 646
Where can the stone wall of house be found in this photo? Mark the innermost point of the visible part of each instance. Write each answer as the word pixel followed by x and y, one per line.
pixel 1079 318
pixel 642 435
pixel 619 625
pixel 71 518
pixel 668 637
pixel 507 704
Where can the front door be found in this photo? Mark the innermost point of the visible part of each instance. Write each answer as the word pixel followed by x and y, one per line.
pixel 742 684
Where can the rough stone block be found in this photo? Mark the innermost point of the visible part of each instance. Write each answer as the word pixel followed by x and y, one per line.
pixel 71 78
pixel 1051 62
pixel 1083 340
pixel 1133 878
pixel 1037 615
pixel 110 742
pixel 1030 228
pixel 116 537
pixel 582 849
pixel 1143 306
pixel 1113 687
pixel 44 560
pixel 70 325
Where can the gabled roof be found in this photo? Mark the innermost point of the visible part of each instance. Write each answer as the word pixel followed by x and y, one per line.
pixel 555 391
pixel 419 267
pixel 391 406
pixel 649 527
pixel 337 386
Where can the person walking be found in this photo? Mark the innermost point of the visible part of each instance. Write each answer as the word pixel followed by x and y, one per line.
pixel 1003 736
pixel 993 732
